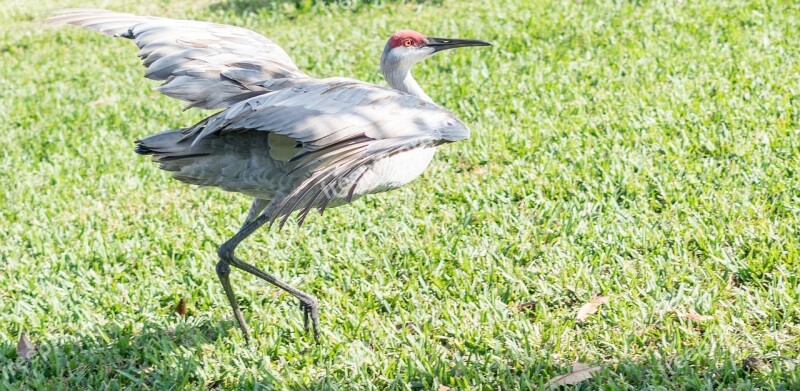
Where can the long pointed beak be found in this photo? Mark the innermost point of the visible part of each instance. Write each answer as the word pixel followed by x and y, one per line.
pixel 439 44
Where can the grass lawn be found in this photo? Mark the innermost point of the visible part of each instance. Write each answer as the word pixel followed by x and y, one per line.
pixel 647 152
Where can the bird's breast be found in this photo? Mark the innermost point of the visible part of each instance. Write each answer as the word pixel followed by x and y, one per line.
pixel 394 171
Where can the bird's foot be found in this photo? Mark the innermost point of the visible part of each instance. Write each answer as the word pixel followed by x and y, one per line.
pixel 310 308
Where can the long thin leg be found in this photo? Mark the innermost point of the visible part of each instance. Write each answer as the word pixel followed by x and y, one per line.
pixel 224 271
pixel 258 206
pixel 308 303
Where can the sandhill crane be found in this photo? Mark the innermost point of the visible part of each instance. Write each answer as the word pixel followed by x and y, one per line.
pixel 290 141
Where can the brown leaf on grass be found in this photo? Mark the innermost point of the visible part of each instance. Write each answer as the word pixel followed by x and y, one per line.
pixel 694 316
pixel 590 307
pixel 181 307
pixel 580 372
pixel 25 348
pixel 411 327
pixel 528 305
pixel 100 102
pixel 752 364
pixel 443 387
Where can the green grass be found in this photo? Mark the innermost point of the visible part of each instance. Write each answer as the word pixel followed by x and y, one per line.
pixel 644 151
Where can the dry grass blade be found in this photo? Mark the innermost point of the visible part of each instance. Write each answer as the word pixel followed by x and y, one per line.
pixel 100 102
pixel 695 316
pixel 528 305
pixel 590 307
pixel 580 372
pixel 25 348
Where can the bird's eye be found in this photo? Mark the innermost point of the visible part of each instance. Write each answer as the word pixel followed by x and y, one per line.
pixel 408 42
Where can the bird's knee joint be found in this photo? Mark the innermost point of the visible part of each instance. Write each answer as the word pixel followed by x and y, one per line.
pixel 225 253
pixel 223 269
pixel 312 302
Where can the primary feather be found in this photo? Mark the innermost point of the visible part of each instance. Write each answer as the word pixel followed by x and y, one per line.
pixel 209 65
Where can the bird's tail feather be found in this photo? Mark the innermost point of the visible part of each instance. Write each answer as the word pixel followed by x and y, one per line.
pixel 175 153
pixel 233 162
pixel 164 144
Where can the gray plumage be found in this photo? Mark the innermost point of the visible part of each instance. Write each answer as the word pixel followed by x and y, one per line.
pixel 292 142
pixel 209 65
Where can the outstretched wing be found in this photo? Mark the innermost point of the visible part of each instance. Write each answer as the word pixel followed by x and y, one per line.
pixel 336 129
pixel 212 66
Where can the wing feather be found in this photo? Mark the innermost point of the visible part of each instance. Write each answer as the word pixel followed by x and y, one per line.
pixel 342 127
pixel 209 65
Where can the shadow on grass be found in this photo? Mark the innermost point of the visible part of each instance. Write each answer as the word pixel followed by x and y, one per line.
pixel 173 358
pixel 251 6
pixel 120 357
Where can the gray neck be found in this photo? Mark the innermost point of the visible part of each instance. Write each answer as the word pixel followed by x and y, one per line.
pixel 403 81
pixel 397 73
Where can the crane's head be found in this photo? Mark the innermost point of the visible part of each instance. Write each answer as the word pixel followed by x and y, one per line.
pixel 407 47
